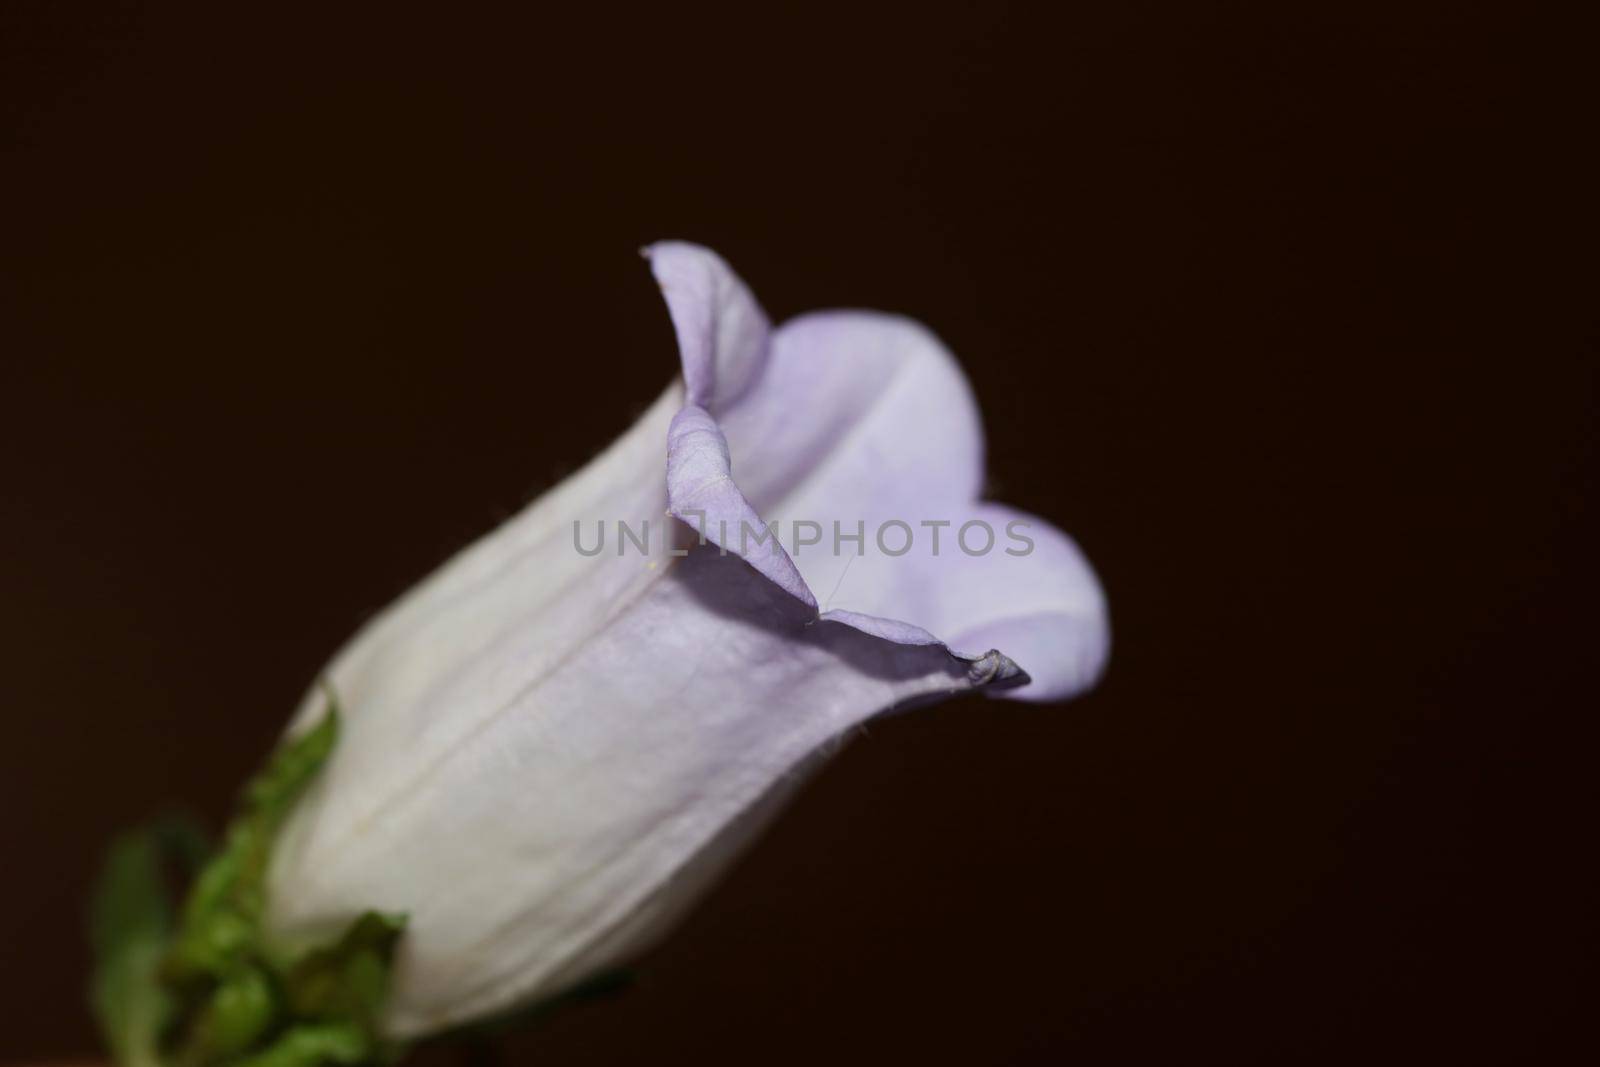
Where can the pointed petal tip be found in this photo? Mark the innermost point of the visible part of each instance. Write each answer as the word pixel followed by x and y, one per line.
pixel 722 331
pixel 672 253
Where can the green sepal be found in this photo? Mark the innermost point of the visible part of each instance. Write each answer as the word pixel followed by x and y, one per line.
pixel 236 1014
pixel 221 924
pixel 206 990
pixel 316 1045
pixel 348 980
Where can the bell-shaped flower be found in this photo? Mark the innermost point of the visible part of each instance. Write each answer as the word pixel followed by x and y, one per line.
pixel 548 751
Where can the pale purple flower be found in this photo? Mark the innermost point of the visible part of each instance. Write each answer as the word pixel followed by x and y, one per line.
pixel 546 755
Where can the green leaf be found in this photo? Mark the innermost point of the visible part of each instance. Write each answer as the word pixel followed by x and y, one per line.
pixel 129 923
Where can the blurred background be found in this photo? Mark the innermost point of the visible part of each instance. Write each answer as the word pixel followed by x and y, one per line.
pixel 1270 309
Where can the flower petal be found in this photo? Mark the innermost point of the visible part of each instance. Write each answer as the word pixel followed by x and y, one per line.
pixel 546 754
pixel 546 829
pixel 863 424
pixel 722 331
pixel 431 667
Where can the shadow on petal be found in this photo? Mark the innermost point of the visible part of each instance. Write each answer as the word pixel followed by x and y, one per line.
pixel 729 587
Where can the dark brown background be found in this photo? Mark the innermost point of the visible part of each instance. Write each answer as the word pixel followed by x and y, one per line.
pixel 1270 310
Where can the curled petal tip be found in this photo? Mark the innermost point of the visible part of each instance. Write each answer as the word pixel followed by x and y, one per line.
pixel 995 668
